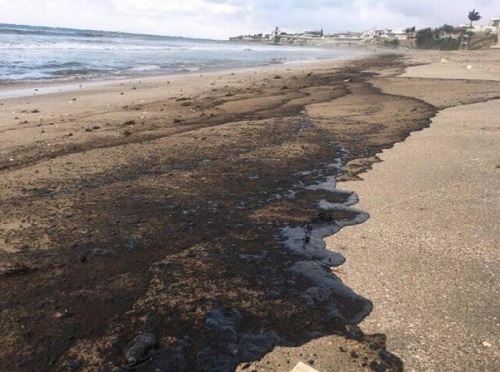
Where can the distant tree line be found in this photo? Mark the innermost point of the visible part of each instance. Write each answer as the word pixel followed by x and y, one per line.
pixel 445 37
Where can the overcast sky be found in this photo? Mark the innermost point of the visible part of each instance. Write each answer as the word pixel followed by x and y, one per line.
pixel 223 18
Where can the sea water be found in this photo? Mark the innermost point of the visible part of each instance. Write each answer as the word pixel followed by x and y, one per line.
pixel 29 53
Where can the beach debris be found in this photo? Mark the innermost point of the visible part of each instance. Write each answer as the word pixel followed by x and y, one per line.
pixel 139 347
pixel 487 344
pixel 237 347
pixel 307 233
pixel 353 332
pixel 295 238
pixel 223 322
pixel 17 269
pixel 170 359
pixel 64 314
pixel 101 252
pixel 444 60
pixel 469 67
pixel 273 295
pixel 73 365
pixel 302 367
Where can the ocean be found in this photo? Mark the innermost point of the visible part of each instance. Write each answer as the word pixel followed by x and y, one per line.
pixel 29 53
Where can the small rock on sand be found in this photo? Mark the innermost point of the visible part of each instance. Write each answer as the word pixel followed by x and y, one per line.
pixel 139 347
pixel 302 367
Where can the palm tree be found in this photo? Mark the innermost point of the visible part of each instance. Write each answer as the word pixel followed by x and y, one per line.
pixel 474 16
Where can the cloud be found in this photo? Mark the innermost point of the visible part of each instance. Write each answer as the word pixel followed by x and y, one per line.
pixel 155 7
pixel 223 18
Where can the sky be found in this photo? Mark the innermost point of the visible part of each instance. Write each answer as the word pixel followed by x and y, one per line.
pixel 219 19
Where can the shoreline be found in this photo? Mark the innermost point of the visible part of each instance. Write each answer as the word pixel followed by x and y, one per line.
pixel 378 248
pixel 76 159
pixel 435 233
pixel 92 61
pixel 124 217
pixel 22 88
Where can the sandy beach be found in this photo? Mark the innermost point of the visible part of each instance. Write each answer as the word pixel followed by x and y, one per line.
pixel 431 244
pixel 428 255
pixel 176 223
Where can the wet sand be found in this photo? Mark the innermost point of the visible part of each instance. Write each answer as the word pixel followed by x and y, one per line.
pixel 146 224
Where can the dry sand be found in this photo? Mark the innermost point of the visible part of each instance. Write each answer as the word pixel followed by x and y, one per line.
pixel 429 255
pixel 431 246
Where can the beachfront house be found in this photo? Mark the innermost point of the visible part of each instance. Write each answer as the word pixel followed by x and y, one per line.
pixel 398 34
pixel 319 33
pixel 369 34
pixel 494 25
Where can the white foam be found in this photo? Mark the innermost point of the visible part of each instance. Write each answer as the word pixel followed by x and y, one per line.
pixel 145 68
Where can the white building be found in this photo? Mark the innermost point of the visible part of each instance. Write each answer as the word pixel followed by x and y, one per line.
pixel 398 34
pixel 493 25
pixel 369 34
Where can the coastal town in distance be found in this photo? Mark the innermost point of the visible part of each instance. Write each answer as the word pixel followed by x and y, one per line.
pixel 466 36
